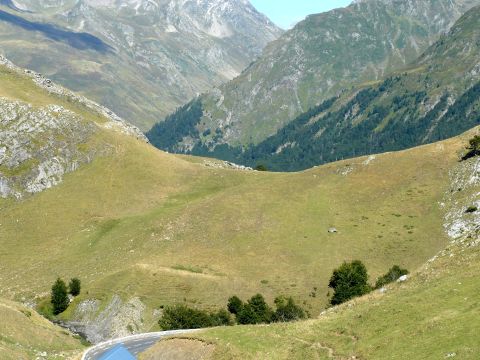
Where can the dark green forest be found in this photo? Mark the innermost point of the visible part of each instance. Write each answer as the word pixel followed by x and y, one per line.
pixel 388 123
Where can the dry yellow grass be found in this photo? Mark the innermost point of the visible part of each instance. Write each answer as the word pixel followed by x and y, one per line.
pixel 165 228
pixel 179 349
pixel 121 221
pixel 434 315
pixel 25 335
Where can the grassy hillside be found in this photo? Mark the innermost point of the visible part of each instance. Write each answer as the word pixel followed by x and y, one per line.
pixel 26 335
pixel 47 131
pixel 147 224
pixel 433 316
pixel 157 229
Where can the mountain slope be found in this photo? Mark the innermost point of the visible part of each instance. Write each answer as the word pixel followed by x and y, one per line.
pixel 140 58
pixel 437 97
pixel 314 61
pixel 433 315
pixel 26 335
pixel 434 98
pixel 143 229
pixel 47 131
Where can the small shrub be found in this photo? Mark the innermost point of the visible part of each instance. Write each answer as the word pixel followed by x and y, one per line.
pixel 471 209
pixel 473 148
pixel 392 275
pixel 261 167
pixel 75 287
pixel 234 305
pixel 349 281
pixel 287 310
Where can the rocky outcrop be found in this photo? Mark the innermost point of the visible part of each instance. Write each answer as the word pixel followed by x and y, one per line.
pixel 40 144
pixel 117 319
pixel 465 182
pixel 114 121
pixel 225 165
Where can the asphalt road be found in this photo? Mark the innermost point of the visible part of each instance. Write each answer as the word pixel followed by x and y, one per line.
pixel 135 343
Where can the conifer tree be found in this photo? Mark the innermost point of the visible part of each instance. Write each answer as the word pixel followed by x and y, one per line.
pixel 60 299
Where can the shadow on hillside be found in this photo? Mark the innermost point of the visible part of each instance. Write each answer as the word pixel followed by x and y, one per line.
pixel 11 5
pixel 81 41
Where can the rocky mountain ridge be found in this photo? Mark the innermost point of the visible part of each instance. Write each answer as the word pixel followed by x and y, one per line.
pixel 433 98
pixel 140 58
pixel 436 97
pixel 317 59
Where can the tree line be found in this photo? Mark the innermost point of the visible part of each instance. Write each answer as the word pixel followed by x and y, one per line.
pixel 254 311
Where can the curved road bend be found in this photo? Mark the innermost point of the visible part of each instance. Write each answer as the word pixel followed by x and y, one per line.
pixel 135 344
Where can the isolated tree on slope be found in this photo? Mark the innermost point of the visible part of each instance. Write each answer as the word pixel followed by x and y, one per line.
pixel 349 281
pixel 60 298
pixel 74 286
pixel 474 148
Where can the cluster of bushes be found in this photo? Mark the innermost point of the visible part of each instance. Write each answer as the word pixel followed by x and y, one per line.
pixel 183 317
pixel 60 291
pixel 351 280
pixel 254 311
pixel 257 311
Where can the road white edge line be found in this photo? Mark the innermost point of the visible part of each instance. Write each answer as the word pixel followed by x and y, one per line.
pixel 160 334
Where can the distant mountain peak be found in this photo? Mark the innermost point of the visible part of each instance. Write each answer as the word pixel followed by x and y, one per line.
pixel 165 51
pixel 320 58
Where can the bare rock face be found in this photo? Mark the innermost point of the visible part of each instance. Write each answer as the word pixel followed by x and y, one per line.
pixel 465 179
pixel 118 319
pixel 40 144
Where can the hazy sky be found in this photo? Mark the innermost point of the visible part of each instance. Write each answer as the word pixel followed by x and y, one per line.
pixel 286 13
